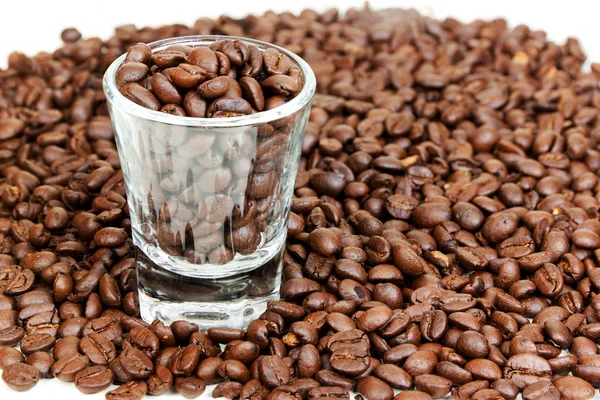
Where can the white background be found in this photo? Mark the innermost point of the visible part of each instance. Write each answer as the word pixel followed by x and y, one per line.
pixel 35 25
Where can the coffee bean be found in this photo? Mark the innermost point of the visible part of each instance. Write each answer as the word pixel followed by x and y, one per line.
pixel 98 349
pixel 225 335
pixel 436 386
pixel 184 360
pixel 472 345
pixel 21 377
pixel 190 387
pixel 135 363
pixel 525 369
pixel 484 369
pixel 412 395
pixel 228 390
pixel 374 388
pixel 421 362
pixel 36 342
pixel 571 387
pixel 328 391
pixel 273 372
pixel 455 373
pixel 207 370
pixel 541 390
pixel 10 356
pixel 129 391
pixel 160 382
pixel 324 242
pixel 67 367
pixel 93 379
pixel 41 361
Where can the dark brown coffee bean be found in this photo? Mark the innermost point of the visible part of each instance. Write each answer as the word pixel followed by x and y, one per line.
pixel 484 369
pixel 41 361
pixel 135 363
pixel 541 390
pixel 190 387
pixel 93 379
pixel 36 342
pixel 436 386
pixel 455 373
pixel 184 360
pixel 67 367
pixel 140 95
pixel 525 369
pixel 228 390
pixel 9 356
pixel 234 370
pixel 393 376
pixel 21 377
pixel 374 388
pixel 98 349
pixel 574 388
pixel 225 335
pixel 160 382
pixel 324 242
pixel 421 362
pixel 129 391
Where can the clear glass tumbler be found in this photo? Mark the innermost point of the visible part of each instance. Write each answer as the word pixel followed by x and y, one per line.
pixel 209 200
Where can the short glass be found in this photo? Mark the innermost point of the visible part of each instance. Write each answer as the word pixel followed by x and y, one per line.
pixel 209 200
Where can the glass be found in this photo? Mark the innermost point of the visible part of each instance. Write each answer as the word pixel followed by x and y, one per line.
pixel 209 200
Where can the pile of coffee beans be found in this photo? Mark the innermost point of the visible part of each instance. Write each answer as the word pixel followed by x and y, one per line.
pixel 225 79
pixel 444 234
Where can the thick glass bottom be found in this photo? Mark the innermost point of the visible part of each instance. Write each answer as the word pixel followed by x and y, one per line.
pixel 233 300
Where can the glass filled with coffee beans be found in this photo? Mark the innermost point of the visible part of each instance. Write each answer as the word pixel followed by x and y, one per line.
pixel 209 131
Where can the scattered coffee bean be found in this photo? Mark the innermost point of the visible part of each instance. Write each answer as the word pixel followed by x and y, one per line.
pixel 21 377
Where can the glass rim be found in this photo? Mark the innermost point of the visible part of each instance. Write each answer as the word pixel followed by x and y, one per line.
pixel 114 96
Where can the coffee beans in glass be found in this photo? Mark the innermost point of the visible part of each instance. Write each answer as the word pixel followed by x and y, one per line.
pixel 209 131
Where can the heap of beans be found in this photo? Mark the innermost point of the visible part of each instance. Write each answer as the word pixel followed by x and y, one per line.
pixel 225 79
pixel 444 236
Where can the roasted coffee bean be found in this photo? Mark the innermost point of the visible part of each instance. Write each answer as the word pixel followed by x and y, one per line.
pixel 98 349
pixel 184 360
pixel 541 390
pixel 472 345
pixel 412 395
pixel 21 377
pixel 135 363
pixel 421 362
pixel 160 382
pixel 228 390
pixel 484 369
pixel 525 369
pixel 65 347
pixel 36 342
pixel 207 370
pixel 234 370
pixel 67 367
pixel 273 372
pixel 373 388
pixel 41 361
pixel 93 379
pixel 225 335
pixel 129 391
pixel 9 356
pixel 436 386
pixel 574 388
pixel 190 387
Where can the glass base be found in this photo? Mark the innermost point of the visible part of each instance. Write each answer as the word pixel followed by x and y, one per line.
pixel 232 301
